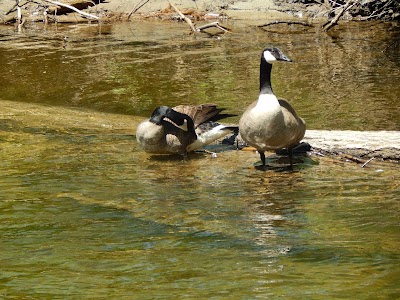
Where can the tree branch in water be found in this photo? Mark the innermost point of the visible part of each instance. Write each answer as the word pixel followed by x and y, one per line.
pixel 285 22
pixel 187 20
pixel 193 26
pixel 344 8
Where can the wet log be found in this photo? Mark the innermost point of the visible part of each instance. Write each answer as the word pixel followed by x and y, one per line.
pixel 73 8
pixel 285 22
pixel 356 144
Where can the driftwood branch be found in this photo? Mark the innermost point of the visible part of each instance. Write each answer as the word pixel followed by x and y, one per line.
pixel 285 22
pixel 339 14
pixel 19 12
pixel 73 8
pixel 187 20
pixel 213 24
pixel 385 9
pixel 139 5
pixel 367 162
pixel 193 26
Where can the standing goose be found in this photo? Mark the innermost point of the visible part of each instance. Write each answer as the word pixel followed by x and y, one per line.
pixel 269 123
pixel 182 129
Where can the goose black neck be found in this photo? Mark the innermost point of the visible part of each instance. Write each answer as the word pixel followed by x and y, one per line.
pixel 265 77
pixel 179 118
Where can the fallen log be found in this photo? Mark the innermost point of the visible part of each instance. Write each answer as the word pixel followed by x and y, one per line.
pixel 73 8
pixel 285 22
pixel 358 144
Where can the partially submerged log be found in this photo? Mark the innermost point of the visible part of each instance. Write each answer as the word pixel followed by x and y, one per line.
pixel 353 145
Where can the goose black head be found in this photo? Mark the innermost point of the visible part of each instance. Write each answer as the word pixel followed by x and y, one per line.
pixel 159 114
pixel 272 54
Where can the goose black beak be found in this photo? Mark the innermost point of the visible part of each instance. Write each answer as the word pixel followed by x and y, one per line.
pixel 285 58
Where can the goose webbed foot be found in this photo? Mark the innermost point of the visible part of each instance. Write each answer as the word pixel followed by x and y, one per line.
pixel 263 166
pixel 300 148
pixel 213 154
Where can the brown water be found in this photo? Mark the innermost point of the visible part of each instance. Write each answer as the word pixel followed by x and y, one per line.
pixel 85 214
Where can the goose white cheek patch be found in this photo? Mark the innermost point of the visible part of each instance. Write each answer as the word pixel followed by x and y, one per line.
pixel 269 57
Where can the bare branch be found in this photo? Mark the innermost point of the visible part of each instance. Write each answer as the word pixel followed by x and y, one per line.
pixel 187 20
pixel 285 22
pixel 137 7
pixel 73 8
pixel 367 162
pixel 344 8
pixel 213 24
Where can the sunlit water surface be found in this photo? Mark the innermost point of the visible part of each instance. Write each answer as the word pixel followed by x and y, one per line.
pixel 86 214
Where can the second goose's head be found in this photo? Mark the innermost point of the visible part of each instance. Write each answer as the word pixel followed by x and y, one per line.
pixel 159 114
pixel 272 54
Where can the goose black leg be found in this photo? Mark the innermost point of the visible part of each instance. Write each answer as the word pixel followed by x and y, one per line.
pixel 262 156
pixel 290 151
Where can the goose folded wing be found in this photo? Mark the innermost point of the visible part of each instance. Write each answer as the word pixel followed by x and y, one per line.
pixel 202 113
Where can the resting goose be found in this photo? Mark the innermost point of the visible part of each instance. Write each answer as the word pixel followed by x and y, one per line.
pixel 271 123
pixel 182 129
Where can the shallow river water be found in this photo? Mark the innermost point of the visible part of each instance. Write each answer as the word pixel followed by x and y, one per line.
pixel 85 214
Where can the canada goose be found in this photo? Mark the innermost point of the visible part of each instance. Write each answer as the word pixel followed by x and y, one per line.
pixel 182 129
pixel 271 123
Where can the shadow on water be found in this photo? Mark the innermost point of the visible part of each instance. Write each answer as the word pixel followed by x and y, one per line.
pixel 178 157
pixel 141 229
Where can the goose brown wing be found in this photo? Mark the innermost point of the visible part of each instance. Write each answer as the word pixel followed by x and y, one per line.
pixel 297 124
pixel 202 113
pixel 199 113
pixel 285 104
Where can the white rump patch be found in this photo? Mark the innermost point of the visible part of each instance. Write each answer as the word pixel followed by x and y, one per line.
pixel 209 137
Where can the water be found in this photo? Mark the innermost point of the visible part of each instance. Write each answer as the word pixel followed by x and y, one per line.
pixel 86 214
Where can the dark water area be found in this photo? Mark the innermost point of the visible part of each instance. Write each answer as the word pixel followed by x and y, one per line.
pixel 86 214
